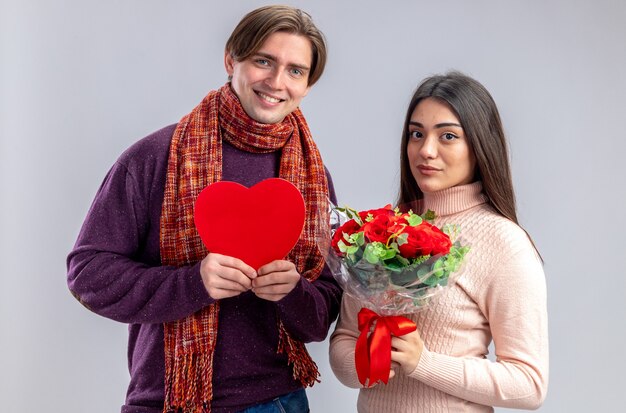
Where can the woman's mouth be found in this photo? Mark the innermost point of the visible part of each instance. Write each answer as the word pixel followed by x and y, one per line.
pixel 427 169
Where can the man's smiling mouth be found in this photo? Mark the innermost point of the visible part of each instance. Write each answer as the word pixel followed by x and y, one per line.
pixel 268 97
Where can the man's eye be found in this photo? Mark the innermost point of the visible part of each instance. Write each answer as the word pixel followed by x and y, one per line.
pixel 296 72
pixel 263 62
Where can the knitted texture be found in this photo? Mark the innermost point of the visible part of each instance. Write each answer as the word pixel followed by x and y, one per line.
pixel 195 161
pixel 499 294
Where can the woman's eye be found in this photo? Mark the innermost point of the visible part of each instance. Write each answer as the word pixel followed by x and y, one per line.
pixel 449 136
pixel 415 134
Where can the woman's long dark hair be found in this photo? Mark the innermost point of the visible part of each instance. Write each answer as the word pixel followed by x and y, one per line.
pixel 479 117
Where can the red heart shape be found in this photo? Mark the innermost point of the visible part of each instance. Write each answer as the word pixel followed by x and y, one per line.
pixel 258 225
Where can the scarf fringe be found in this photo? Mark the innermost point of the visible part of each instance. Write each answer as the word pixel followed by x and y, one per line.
pixel 304 368
pixel 189 372
pixel 183 392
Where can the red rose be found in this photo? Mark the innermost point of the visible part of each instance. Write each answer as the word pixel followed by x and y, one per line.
pixel 440 242
pixel 386 210
pixel 416 244
pixel 398 223
pixel 424 239
pixel 377 229
pixel 349 227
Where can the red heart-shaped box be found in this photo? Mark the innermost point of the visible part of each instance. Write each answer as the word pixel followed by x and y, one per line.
pixel 258 225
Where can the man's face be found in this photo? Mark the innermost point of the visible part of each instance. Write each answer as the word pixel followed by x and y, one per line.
pixel 271 82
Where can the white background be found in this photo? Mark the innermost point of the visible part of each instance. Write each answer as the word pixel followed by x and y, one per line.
pixel 80 81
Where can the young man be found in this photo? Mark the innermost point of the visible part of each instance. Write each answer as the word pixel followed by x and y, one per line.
pixel 208 332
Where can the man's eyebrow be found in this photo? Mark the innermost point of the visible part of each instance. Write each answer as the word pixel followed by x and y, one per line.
pixel 273 59
pixel 437 126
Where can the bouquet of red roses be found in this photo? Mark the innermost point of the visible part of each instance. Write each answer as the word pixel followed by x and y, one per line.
pixel 394 261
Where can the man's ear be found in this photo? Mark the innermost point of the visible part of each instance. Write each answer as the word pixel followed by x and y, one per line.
pixel 229 63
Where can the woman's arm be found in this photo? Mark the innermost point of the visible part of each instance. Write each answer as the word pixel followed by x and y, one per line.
pixel 343 342
pixel 515 306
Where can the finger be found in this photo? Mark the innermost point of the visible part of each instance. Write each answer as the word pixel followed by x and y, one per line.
pixel 398 357
pixel 226 284
pixel 277 266
pixel 397 343
pixel 290 278
pixel 401 344
pixel 235 263
pixel 219 288
pixel 234 275
pixel 391 374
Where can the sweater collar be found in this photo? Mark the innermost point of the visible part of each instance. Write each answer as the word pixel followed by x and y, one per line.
pixel 455 199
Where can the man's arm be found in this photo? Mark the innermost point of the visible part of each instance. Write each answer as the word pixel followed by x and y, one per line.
pixel 311 307
pixel 115 266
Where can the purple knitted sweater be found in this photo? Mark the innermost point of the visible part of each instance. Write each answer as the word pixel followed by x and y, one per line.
pixel 115 270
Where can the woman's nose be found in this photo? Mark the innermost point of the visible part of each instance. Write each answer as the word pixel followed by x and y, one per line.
pixel 428 150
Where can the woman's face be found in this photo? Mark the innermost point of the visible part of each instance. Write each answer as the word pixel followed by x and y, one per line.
pixel 438 152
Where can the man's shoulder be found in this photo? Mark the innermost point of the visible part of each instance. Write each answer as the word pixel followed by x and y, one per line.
pixel 150 151
pixel 148 156
pixel 155 144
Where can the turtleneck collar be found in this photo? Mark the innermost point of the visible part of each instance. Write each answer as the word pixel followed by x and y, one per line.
pixel 455 199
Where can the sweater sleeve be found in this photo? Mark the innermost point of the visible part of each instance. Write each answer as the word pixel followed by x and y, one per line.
pixel 343 343
pixel 114 268
pixel 514 303
pixel 311 307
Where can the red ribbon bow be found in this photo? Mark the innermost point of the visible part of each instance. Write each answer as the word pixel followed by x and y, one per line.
pixel 373 351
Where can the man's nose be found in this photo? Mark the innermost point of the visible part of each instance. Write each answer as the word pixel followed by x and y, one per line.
pixel 275 79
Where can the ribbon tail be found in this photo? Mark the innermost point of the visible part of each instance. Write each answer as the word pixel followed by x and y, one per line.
pixel 362 357
pixel 380 353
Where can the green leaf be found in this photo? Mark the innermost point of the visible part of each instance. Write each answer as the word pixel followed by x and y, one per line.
pixel 402 238
pixel 429 215
pixel 351 214
pixel 413 219
pixel 402 260
pixel 419 260
pixel 438 268
pixel 422 271
pixel 358 238
pixel 371 254
pixel 342 246
pixel 402 278
pixel 388 254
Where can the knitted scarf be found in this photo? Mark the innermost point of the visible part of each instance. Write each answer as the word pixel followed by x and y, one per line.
pixel 195 161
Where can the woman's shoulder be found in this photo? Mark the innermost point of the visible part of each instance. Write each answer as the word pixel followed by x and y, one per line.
pixel 490 226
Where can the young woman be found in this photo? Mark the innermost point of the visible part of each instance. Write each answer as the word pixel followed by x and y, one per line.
pixel 454 161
